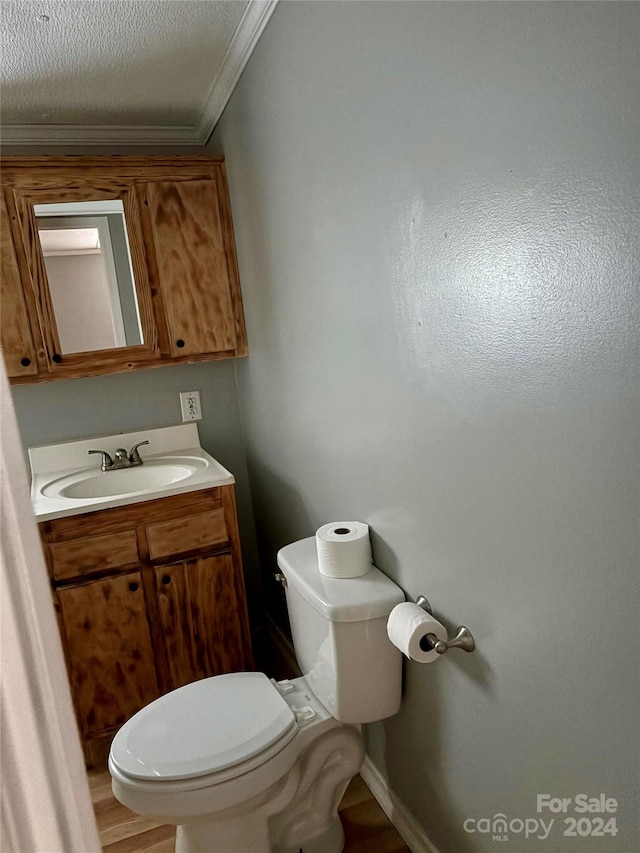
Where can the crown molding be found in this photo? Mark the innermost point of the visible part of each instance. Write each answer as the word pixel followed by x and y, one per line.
pixel 242 45
pixel 87 134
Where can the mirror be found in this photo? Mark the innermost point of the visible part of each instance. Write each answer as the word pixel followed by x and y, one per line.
pixel 88 262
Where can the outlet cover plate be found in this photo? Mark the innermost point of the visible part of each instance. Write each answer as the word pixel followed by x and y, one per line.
pixel 190 406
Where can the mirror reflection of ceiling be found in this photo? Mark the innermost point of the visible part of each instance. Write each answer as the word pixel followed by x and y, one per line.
pixel 69 241
pixel 138 71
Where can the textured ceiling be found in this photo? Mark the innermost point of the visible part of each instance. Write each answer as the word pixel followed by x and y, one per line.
pixel 113 62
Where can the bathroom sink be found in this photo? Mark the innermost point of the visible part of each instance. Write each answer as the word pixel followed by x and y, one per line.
pixel 66 481
pixel 154 474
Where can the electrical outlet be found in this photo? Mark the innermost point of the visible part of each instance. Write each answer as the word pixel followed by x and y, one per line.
pixel 190 406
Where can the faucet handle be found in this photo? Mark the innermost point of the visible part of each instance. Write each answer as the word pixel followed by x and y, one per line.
pixel 134 456
pixel 107 461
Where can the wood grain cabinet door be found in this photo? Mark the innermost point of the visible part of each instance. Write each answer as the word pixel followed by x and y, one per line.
pixel 109 651
pixel 196 266
pixel 17 343
pixel 201 617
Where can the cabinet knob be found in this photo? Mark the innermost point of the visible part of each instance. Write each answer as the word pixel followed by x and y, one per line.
pixel 133 586
pixel 179 342
pixel 57 358
pixel 166 579
pixel 25 362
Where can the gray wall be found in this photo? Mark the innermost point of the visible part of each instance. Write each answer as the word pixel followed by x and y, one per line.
pixel 436 214
pixel 81 300
pixel 124 402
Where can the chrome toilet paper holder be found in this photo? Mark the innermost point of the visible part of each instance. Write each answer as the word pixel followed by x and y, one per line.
pixel 462 640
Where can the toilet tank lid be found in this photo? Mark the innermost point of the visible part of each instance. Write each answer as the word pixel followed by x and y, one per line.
pixel 337 599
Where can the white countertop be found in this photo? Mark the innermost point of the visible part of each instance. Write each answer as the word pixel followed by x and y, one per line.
pixel 54 461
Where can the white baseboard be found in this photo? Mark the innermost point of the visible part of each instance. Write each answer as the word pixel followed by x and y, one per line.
pixel 408 827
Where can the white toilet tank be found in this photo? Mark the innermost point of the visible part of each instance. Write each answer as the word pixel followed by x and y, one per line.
pixel 339 628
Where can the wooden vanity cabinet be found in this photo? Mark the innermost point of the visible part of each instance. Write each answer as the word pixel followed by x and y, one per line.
pixel 149 597
pixel 110 655
pixel 200 617
pixel 179 231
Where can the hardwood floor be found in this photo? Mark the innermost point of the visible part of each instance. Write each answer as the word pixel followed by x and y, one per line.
pixel 366 827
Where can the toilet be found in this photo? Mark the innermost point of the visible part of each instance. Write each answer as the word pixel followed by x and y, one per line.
pixel 243 764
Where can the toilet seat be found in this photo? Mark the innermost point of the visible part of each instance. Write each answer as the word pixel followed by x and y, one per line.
pixel 175 738
pixel 175 800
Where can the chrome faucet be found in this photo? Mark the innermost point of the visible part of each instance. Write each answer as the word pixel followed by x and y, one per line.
pixel 121 459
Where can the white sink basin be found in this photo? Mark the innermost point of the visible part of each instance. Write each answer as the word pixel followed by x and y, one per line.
pixel 65 481
pixel 152 475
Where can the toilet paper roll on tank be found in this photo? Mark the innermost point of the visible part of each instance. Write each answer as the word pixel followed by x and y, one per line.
pixel 344 549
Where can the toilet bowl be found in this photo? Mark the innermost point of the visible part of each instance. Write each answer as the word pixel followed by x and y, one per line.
pixel 240 764
pixel 243 764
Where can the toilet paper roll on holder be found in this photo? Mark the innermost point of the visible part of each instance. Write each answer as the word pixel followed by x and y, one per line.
pixel 462 640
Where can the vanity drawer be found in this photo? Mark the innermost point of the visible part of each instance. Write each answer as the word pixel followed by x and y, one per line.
pixel 77 557
pixel 181 535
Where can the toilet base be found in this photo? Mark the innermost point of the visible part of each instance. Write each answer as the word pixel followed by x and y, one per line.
pixel 244 838
pixel 300 813
pixel 250 835
pixel 329 841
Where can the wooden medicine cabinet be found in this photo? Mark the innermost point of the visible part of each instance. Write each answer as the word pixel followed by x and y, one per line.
pixel 114 263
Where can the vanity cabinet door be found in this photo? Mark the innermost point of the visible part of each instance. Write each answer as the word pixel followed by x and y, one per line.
pixel 94 318
pixel 17 342
pixel 192 236
pixel 109 656
pixel 201 616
